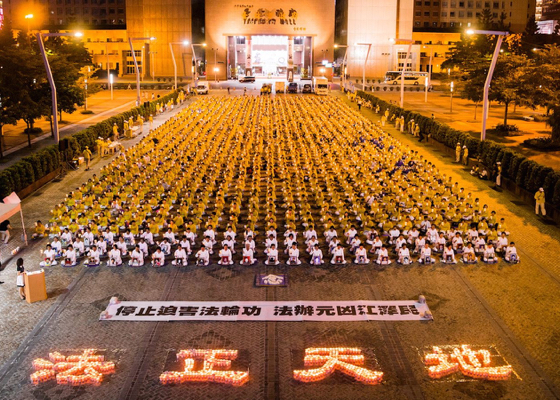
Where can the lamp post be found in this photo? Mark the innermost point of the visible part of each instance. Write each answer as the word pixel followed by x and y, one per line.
pixel 184 43
pixel 365 62
pixel 451 100
pixel 429 77
pixel 485 106
pixel 130 40
pixel 85 87
pixel 111 83
pixel 195 61
pixel 153 64
pixel 216 69
pixel 50 76
pixel 405 63
pixel 29 17
pixel 343 68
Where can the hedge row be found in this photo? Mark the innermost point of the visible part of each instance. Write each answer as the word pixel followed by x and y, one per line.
pixel 32 168
pixel 524 172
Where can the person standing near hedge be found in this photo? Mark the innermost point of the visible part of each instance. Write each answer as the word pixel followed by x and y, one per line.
pixel 465 155
pixel 540 199
pixel 87 155
pixel 458 152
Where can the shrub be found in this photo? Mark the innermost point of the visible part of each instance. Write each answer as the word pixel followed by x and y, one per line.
pixel 556 193
pixel 506 128
pixel 550 181
pixel 542 143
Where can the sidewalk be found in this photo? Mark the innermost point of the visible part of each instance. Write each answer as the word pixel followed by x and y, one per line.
pixel 462 119
pixel 16 142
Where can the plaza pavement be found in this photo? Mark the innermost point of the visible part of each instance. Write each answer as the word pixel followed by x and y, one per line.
pixel 513 308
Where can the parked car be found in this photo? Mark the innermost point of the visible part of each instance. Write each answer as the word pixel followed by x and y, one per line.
pixel 202 88
pixel 408 80
pixel 306 88
pixel 292 87
pixel 247 79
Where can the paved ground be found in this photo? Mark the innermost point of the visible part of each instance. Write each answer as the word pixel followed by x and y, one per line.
pixel 512 309
pixel 15 142
pixel 463 118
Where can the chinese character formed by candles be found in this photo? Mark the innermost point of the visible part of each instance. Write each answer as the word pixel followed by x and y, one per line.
pixel 329 359
pixel 216 366
pixel 75 370
pixel 474 364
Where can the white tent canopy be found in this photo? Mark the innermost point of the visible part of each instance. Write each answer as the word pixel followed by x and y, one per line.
pixel 10 207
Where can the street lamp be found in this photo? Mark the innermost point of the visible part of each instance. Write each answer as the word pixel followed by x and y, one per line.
pixel 485 106
pixel 184 43
pixel 405 63
pixel 111 84
pixel 136 65
pixel 365 62
pixel 336 46
pixel 216 69
pixel 28 17
pixel 153 64
pixel 429 77
pixel 195 61
pixel 50 76
pixel 451 103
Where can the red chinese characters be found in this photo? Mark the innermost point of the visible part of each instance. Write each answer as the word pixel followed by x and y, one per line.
pixel 215 368
pixel 75 370
pixel 474 364
pixel 344 359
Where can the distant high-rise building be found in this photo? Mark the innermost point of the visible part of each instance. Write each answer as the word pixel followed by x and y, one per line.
pixel 460 14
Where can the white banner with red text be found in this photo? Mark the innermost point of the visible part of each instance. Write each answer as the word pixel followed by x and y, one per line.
pixel 355 310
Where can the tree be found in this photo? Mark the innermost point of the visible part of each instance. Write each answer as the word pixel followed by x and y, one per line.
pixel 546 78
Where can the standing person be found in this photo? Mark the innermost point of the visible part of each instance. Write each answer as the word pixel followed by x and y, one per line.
pixel 539 203
pixel 359 101
pixel 420 134
pixel 228 90
pixel 458 152
pixel 87 155
pixel 465 155
pixel 115 131
pixel 498 174
pixel 151 119
pixel 19 280
pixel 5 230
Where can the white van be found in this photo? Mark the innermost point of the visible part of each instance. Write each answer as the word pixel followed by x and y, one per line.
pixel 321 86
pixel 408 80
pixel 202 88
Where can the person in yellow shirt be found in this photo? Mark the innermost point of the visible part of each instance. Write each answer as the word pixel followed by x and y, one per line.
pixel 40 230
pixel 539 202
pixel 87 156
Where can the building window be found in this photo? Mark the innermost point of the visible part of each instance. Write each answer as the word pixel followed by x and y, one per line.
pixel 112 11
pixel 426 3
pixel 434 24
pixel 470 4
pixel 462 4
pixel 494 15
pixel 444 4
pixel 495 5
pixel 452 14
pixel 418 3
pixel 486 4
pixel 451 24
pixel 120 10
pixel 461 14
pixel 436 3
pixel 478 4
pixel 426 13
pixel 469 14
pixel 417 23
pixel 453 4
pixel 444 13
pixel 418 13
pixel 435 13
pixel 426 24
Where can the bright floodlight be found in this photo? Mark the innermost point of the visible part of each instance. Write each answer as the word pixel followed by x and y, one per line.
pixel 78 34
pixel 470 31
pixel 336 46
pixel 203 44
pixel 185 42
pixel 152 38
pixel 29 16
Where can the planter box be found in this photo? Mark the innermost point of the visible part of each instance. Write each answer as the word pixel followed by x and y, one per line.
pixel 38 184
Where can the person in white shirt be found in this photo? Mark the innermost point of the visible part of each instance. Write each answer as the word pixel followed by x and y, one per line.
pixel 333 244
pixel 468 254
pixel 88 238
pixel 230 233
pixel 426 255
pixel 57 246
pixel 165 247
pixel 457 243
pixel 413 235
pixel 101 246
pixel 502 243
pixel 121 245
pixel 440 243
pixel 79 247
pixel 272 256
pixel 338 255
pixel 361 255
pixel 394 233
pixel 136 257
pixel 191 236
pixel 148 237
pixel 169 235
pixel 108 236
pixel 225 256
pixel 511 254
pixel 271 232
pixel 251 244
pixel 203 256
pixel 489 255
pixel 404 256
pixel 354 244
pixel 419 244
pixel 93 257
pixel 248 232
pixel 432 234
pixel 48 257
pixel 270 241
pixel 383 256
pixel 69 257
pixel 114 257
pixel 229 243
pixel 129 238
pixel 448 256
pixel 158 258
pixel 143 247
pixel 248 255
pixel 472 234
pixel 289 241
pixel 185 244
pixel 376 245
pixel 66 237
pixel 180 257
pixel 371 234
pixel 311 243
pixel 207 243
pixel 293 255
pixel 316 256
pixel 350 234
pixel 400 242
pixel 209 232
pixel 480 245
pixel 330 234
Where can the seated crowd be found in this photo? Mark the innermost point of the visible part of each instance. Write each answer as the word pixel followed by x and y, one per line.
pixel 279 180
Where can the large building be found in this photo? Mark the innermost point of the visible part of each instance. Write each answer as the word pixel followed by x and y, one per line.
pixel 461 14
pixel 283 39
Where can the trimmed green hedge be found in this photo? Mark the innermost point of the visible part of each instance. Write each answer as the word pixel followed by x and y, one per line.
pixel 524 172
pixel 41 163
